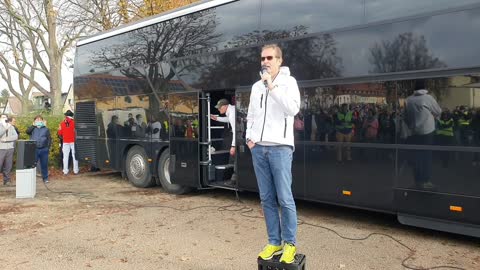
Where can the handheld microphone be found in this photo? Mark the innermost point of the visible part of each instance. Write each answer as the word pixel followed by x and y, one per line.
pixel 264 70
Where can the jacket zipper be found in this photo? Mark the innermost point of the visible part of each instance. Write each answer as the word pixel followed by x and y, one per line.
pixel 261 99
pixel 285 129
pixel 264 115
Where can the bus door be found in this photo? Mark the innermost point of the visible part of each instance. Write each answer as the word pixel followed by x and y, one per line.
pixel 183 130
pixel 216 164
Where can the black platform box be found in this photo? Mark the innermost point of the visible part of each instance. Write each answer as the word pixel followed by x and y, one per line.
pixel 26 157
pixel 274 264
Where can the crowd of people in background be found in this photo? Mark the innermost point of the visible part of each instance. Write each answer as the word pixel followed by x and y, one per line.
pixel 382 124
pixel 137 127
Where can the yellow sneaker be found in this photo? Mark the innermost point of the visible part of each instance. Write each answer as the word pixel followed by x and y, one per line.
pixel 289 251
pixel 269 251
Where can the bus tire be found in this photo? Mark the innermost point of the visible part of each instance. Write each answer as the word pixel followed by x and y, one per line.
pixel 137 168
pixel 164 175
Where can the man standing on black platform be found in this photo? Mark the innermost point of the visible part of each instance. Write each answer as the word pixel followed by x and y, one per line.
pixel 274 101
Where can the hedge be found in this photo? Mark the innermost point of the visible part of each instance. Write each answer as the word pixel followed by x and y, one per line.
pixel 52 121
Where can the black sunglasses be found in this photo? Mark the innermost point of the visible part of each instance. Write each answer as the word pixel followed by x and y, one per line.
pixel 269 58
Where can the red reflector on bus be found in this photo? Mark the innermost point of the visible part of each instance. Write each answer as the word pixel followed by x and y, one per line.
pixel 347 193
pixel 454 208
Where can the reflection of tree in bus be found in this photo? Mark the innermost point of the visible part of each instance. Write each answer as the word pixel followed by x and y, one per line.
pixel 406 52
pixel 149 46
pixel 318 57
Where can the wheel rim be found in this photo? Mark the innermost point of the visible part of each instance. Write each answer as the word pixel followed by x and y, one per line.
pixel 137 166
pixel 166 171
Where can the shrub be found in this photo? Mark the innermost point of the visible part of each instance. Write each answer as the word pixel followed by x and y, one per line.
pixel 53 121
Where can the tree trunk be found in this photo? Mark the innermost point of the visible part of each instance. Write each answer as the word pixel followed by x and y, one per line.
pixel 26 105
pixel 55 59
pixel 56 86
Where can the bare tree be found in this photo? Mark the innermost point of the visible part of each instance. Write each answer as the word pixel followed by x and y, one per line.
pixel 49 36
pixel 16 71
pixel 98 15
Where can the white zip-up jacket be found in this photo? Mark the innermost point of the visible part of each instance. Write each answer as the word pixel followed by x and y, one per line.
pixel 270 113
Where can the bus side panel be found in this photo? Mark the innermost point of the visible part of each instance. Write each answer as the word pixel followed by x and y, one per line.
pixel 440 206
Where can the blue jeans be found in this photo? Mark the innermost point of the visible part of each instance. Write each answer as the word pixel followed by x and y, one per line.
pixel 42 155
pixel 273 168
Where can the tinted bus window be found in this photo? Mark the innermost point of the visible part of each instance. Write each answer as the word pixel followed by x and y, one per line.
pixel 200 32
pixel 183 110
pixel 450 134
pixel 377 10
pixel 235 23
pixel 280 18
pixel 419 44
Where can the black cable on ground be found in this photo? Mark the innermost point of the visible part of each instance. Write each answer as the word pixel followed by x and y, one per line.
pixel 411 250
pixel 243 210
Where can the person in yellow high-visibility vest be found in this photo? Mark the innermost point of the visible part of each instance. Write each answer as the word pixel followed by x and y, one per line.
pixel 344 131
pixel 444 135
pixel 463 123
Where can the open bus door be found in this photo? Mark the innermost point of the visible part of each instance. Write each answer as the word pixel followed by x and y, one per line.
pixel 184 130
pixel 216 164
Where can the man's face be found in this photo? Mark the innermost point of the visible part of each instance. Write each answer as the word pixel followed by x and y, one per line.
pixel 223 109
pixel 14 121
pixel 271 61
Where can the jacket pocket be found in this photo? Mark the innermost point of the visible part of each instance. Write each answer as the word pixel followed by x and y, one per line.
pixel 285 129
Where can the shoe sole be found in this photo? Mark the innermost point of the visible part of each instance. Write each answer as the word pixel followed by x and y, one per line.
pixel 274 254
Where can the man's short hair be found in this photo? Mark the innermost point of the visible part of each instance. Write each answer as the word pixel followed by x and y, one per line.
pixel 277 49
pixel 222 102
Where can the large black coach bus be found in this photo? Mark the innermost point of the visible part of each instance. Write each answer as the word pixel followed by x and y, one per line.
pixel 144 93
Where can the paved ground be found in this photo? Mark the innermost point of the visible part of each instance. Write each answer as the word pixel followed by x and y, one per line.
pixel 108 224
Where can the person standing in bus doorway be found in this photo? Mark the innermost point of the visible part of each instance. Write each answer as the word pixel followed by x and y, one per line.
pixel 7 147
pixel 421 111
pixel 67 132
pixel 224 107
pixel 274 102
pixel 344 131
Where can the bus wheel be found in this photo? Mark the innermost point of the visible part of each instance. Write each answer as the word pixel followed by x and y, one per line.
pixel 137 168
pixel 164 175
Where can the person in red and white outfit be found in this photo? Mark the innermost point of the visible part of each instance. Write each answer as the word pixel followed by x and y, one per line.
pixel 67 132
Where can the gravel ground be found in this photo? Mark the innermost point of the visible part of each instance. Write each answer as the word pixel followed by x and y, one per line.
pixel 99 221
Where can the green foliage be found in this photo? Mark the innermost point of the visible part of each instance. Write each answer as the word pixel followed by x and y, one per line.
pixel 52 121
pixel 4 95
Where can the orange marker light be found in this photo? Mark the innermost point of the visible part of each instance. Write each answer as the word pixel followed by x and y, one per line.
pixel 107 161
pixel 87 158
pixel 454 208
pixel 347 193
pixel 150 160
